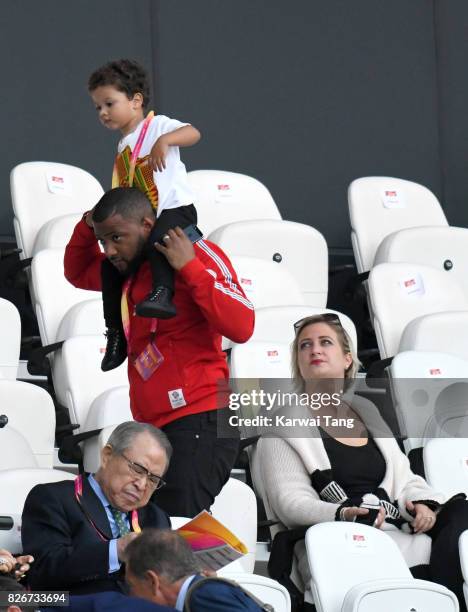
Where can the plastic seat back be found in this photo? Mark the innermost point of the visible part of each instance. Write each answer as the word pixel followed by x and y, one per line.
pixel 77 375
pixel 16 451
pixel 265 283
pixel 276 323
pixel 267 590
pixel 400 293
pixel 261 359
pixel 82 319
pixel 53 294
pixel 108 409
pixel 299 248
pixel 381 205
pixel 18 483
pixel 446 464
pixel 56 233
pixel 30 410
pixel 10 333
pixel 445 332
pixel 236 507
pixel 388 595
pixel 444 248
pixel 351 553
pixel 223 197
pixel 417 380
pixel 41 191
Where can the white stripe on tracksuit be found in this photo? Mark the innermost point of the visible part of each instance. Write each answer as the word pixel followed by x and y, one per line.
pixel 234 291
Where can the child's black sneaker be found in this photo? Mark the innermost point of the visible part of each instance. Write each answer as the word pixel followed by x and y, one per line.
pixel 116 349
pixel 158 304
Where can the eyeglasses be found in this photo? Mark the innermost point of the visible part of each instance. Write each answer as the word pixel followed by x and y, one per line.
pixel 326 317
pixel 155 481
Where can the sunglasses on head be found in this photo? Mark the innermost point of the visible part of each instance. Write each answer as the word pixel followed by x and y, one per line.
pixel 327 317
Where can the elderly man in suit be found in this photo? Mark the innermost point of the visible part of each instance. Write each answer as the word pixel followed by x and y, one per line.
pixel 78 531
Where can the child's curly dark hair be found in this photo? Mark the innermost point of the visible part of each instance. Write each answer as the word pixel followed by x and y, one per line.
pixel 125 75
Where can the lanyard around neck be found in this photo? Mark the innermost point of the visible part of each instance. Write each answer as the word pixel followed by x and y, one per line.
pixel 78 496
pixel 126 313
pixel 135 153
pixel 137 149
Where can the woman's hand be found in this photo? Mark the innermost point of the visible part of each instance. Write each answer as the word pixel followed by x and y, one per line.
pixel 178 249
pixel 380 518
pixel 352 512
pixel 424 517
pixel 24 562
pixel 7 561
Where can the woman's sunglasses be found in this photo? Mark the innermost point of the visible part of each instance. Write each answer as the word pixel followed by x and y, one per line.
pixel 328 317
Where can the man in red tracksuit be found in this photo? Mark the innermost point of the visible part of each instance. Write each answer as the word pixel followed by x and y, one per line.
pixel 175 366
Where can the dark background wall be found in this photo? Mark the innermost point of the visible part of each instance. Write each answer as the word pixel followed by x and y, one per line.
pixel 305 95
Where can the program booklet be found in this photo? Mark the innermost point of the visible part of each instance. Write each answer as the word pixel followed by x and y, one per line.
pixel 213 544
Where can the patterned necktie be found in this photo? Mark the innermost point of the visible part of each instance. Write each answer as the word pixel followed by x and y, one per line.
pixel 119 518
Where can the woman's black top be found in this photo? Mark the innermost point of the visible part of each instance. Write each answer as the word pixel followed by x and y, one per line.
pixel 357 469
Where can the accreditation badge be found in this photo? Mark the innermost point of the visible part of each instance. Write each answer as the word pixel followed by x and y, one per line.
pixel 148 361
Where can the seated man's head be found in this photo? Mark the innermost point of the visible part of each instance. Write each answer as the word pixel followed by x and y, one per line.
pixel 122 220
pixel 133 462
pixel 158 561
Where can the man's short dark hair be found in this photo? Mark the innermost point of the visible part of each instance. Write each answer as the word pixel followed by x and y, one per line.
pixel 125 75
pixel 164 552
pixel 129 202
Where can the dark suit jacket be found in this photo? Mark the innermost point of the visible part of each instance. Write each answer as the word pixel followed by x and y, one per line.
pixel 112 602
pixel 214 595
pixel 69 554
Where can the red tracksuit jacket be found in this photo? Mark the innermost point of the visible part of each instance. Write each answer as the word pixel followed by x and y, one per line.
pixel 210 303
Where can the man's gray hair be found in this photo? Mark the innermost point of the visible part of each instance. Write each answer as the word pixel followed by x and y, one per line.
pixel 164 552
pixel 124 434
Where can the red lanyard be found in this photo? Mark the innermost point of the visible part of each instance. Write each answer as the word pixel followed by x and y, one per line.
pixel 135 153
pixel 79 494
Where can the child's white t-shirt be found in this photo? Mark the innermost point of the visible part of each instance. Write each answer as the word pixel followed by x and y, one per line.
pixel 172 183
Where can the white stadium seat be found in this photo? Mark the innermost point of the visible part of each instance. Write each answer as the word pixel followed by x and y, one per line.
pixel 275 323
pixel 446 465
pixel 10 344
pixel 56 233
pixel 444 248
pixel 357 568
pixel 109 408
pixel 236 507
pixel 53 295
pixel 30 410
pixel 265 283
pixel 445 332
pixel 299 248
pixel 400 293
pixel 82 319
pixel 41 191
pixel 381 205
pixel 261 359
pixel 18 483
pixel 15 452
pixel 265 589
pixel 77 375
pixel 223 197
pixel 419 382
